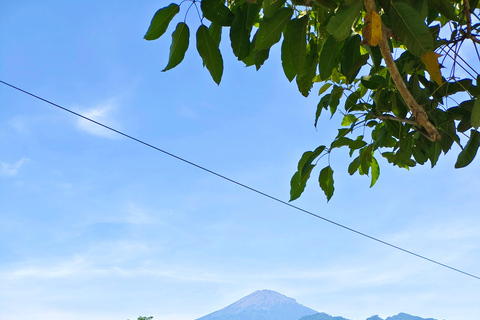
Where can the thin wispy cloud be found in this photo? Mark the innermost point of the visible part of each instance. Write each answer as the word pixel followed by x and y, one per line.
pixel 11 170
pixel 101 113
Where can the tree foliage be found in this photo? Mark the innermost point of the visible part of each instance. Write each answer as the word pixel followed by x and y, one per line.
pixel 401 108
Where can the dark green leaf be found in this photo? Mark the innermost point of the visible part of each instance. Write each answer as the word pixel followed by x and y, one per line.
pixel 260 56
pixel 354 165
pixel 240 34
pixel 180 39
pixel 270 7
pixel 299 179
pixel 470 151
pixel 210 53
pixel 374 82
pixel 475 118
pixel 305 78
pixel 323 104
pixel 352 60
pixel 270 30
pixel 287 63
pixel 296 32
pixel 329 57
pixel 335 100
pixel 216 11
pixel 340 142
pixel 160 21
pixel 215 31
pixel 326 182
pixel 409 25
pixel 445 7
pixel 340 25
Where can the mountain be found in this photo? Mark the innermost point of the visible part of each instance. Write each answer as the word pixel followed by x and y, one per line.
pixel 271 305
pixel 262 305
pixel 322 316
pixel 404 316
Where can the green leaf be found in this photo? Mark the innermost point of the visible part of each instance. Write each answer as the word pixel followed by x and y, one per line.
pixel 348 120
pixel 210 53
pixel 180 39
pixel 340 25
pixel 240 34
pixel 324 88
pixel 354 165
pixel 216 11
pixel 409 25
pixel 305 77
pixel 470 151
pixel 375 171
pixel 329 57
pixel 296 32
pixel 326 182
pixel 366 155
pixel 445 7
pixel 270 30
pixel 335 100
pixel 270 7
pixel 287 63
pixel 307 159
pixel 352 59
pixel 374 82
pixel 340 142
pixel 475 118
pixel 160 21
pixel 215 31
pixel 297 184
pixel 305 167
pixel 323 104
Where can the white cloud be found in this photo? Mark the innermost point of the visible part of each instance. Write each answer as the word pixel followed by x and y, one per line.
pixel 102 114
pixel 7 169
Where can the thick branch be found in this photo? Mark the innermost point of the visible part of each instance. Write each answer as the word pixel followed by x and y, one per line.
pixel 416 109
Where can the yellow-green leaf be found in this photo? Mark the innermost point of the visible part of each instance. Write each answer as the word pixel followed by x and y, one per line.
pixel 430 60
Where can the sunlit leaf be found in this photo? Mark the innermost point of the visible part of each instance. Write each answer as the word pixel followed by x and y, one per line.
pixel 348 120
pixel 324 88
pixel 375 171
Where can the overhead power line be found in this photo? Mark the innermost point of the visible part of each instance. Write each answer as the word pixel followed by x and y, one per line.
pixel 244 185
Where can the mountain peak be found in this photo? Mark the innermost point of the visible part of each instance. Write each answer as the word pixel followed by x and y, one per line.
pixel 262 300
pixel 262 305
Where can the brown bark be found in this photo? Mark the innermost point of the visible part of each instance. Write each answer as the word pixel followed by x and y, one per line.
pixel 416 109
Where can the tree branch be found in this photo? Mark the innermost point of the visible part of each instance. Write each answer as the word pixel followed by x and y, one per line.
pixel 416 109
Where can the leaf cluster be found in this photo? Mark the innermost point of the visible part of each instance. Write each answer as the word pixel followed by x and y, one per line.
pixel 336 42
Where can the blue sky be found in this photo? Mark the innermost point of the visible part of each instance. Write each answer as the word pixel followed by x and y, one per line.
pixel 95 226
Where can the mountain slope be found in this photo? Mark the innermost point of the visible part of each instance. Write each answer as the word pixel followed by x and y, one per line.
pixel 262 305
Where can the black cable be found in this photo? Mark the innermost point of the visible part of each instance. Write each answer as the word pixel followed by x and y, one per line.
pixel 245 186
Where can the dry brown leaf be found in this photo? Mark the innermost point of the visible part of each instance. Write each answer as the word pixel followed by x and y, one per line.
pixel 372 32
